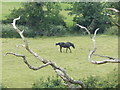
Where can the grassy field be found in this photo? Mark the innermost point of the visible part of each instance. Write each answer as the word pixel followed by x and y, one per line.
pixel 17 75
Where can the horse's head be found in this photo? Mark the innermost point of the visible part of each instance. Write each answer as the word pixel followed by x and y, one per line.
pixel 57 43
pixel 73 46
pixel 60 43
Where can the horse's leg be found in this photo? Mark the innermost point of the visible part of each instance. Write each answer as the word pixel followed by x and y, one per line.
pixel 61 49
pixel 66 50
pixel 70 50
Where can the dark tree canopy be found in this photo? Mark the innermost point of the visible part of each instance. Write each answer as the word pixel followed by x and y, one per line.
pixel 93 14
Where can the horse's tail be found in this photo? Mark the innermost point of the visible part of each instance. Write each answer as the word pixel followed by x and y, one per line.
pixel 71 44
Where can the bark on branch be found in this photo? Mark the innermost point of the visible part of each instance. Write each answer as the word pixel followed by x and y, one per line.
pixel 60 71
pixel 109 60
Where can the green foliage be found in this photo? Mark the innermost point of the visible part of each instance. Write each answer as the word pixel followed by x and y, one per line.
pixel 86 12
pixel 56 30
pixel 38 16
pixel 112 30
pixel 111 81
pixel 90 82
pixel 45 18
pixel 115 5
pixel 9 32
pixel 66 6
pixel 51 82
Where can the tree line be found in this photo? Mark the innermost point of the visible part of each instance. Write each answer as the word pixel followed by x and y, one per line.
pixel 44 18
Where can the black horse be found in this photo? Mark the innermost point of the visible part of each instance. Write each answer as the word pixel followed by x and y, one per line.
pixel 65 45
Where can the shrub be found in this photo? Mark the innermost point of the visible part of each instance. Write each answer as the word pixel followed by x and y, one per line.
pixel 54 30
pixel 50 82
pixel 90 82
pixel 37 15
pixel 111 81
pixel 112 30
pixel 9 32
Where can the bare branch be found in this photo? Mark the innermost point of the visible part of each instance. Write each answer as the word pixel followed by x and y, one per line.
pixel 113 9
pixel 105 56
pixel 114 60
pixel 60 71
pixel 118 12
pixel 85 29
pixel 26 62
pixel 95 33
pixel 14 21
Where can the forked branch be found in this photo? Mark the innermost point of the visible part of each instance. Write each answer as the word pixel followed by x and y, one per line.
pixel 108 60
pixel 60 71
pixel 26 62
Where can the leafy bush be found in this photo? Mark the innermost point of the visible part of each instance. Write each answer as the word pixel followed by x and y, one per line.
pixel 38 16
pixel 9 32
pixel 112 30
pixel 56 30
pixel 51 82
pixel 88 12
pixel 111 81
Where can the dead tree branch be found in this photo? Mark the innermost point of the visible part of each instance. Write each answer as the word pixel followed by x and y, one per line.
pixel 109 60
pixel 113 9
pixel 117 12
pixel 60 71
pixel 26 62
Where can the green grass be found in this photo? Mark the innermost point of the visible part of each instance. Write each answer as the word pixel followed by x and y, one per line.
pixel 17 75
